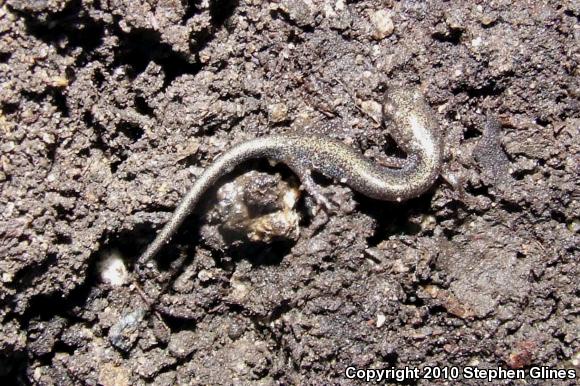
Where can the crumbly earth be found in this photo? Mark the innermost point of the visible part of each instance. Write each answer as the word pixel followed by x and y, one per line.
pixel 109 110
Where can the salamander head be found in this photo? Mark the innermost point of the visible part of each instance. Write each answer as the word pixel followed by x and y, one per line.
pixel 411 122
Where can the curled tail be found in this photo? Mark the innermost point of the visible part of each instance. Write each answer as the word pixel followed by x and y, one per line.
pixel 223 165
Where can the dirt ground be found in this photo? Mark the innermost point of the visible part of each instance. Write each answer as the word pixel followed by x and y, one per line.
pixel 110 109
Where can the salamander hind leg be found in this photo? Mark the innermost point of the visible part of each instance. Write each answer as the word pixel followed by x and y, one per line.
pixel 310 186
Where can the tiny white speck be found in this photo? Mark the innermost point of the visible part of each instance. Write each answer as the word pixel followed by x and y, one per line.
pixel 112 268
pixel 290 198
pixel 7 277
pixel 476 42
pixel 381 319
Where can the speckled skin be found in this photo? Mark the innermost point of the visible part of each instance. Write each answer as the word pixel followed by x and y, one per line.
pixel 415 130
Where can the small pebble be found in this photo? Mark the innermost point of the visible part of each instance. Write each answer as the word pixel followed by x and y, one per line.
pixel 124 333
pixel 7 277
pixel 476 42
pixel 373 109
pixel 112 269
pixel 488 19
pixel 278 112
pixel 381 320
pixel 455 21
pixel 383 24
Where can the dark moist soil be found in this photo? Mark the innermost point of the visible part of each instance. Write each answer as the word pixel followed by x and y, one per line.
pixel 110 109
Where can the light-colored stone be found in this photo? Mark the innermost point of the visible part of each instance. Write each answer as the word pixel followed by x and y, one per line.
pixel 382 23
pixel 278 112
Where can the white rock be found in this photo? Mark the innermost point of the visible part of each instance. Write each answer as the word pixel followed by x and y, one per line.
pixel 112 268
pixel 383 24
pixel 381 320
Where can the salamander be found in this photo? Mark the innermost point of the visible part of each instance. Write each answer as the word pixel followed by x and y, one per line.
pixel 414 129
